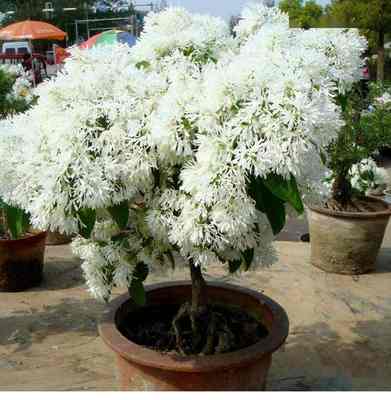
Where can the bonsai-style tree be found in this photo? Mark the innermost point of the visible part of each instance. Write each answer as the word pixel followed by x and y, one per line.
pixel 192 145
pixel 367 129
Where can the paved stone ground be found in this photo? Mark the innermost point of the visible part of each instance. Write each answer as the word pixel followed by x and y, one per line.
pixel 340 335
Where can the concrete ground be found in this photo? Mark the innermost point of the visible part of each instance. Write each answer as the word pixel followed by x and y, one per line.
pixel 340 334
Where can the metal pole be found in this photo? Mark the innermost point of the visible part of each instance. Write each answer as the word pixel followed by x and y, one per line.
pixel 76 32
pixel 88 28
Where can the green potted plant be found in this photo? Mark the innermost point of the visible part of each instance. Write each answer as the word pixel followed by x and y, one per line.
pixel 347 231
pixel 188 149
pixel 21 249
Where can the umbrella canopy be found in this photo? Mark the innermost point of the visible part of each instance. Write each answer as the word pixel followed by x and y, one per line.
pixel 109 37
pixel 31 30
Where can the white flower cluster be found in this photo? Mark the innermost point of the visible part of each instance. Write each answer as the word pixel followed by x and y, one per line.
pixel 176 29
pixel 175 128
pixel 384 99
pixel 342 51
pixel 366 176
pixel 22 88
pixel 12 69
pixel 256 15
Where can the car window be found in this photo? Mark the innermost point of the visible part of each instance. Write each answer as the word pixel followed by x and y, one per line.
pixel 22 50
pixel 10 51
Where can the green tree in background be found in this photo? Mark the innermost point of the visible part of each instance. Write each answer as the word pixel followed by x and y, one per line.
pixel 302 15
pixel 373 17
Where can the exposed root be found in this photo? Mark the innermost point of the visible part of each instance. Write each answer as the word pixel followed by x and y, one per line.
pixel 179 332
pixel 352 206
pixel 213 334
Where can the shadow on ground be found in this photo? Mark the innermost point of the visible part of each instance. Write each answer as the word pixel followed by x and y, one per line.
pixel 58 275
pixel 317 358
pixel 25 328
pixel 383 263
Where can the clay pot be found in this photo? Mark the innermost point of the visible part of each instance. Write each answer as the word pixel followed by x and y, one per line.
pixel 347 242
pixel 21 262
pixel 57 238
pixel 140 368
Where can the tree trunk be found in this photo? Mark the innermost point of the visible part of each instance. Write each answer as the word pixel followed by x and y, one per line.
pixel 199 300
pixel 380 57
pixel 198 296
pixel 342 191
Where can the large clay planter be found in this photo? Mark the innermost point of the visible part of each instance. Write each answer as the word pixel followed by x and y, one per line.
pixel 346 242
pixel 21 262
pixel 140 368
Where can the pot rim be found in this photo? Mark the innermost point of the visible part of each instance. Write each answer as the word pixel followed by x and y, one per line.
pixel 150 358
pixel 355 215
pixel 34 237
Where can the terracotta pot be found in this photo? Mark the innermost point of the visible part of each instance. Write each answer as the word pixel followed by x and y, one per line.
pixel 21 262
pixel 56 239
pixel 140 368
pixel 346 242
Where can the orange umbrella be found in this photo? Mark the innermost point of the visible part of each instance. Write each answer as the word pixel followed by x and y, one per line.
pixel 31 30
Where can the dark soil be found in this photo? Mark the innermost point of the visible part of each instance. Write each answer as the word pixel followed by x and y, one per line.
pixel 356 205
pixel 152 327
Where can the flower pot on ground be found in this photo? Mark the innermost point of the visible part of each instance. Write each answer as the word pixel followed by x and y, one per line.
pixel 140 368
pixel 347 242
pixel 21 250
pixel 21 262
pixel 347 230
pixel 190 146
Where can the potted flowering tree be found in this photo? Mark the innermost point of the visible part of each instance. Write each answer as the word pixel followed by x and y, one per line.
pixel 21 250
pixel 347 232
pixel 188 149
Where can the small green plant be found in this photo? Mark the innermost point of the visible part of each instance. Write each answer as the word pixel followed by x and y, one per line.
pixel 14 222
pixel 367 129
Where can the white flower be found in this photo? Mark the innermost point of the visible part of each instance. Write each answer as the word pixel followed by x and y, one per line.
pixel 384 99
pixel 256 15
pixel 366 176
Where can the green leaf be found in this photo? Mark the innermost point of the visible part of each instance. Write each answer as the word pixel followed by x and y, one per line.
pixel 87 218
pixel 247 259
pixel 17 221
pixel 286 190
pixel 342 100
pixel 248 256
pixel 121 239
pixel 234 266
pixel 120 214
pixel 267 203
pixel 143 65
pixel 137 292
pixel 140 272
